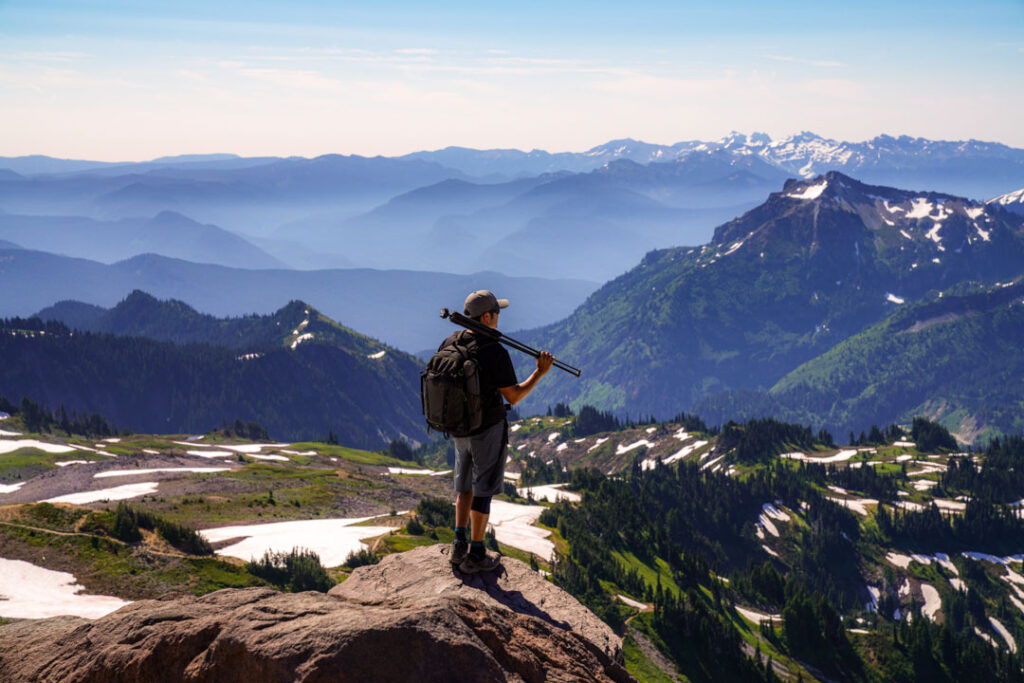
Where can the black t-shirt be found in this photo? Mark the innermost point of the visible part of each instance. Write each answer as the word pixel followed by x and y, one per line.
pixel 496 372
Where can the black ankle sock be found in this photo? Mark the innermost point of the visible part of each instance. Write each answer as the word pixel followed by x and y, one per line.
pixel 460 534
pixel 477 550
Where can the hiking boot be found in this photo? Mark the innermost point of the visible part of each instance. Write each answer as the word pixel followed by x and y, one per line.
pixel 460 550
pixel 487 563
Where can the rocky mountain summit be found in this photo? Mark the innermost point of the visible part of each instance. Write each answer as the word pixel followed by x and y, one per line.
pixel 411 617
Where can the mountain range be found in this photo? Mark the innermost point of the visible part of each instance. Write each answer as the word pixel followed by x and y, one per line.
pixel 168 233
pixel 398 307
pixel 777 287
pixel 163 367
pixel 590 225
pixel 461 210
pixel 973 168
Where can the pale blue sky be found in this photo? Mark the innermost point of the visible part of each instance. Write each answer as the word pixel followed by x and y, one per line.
pixel 134 80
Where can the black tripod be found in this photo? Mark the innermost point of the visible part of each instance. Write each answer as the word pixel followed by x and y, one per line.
pixel 471 324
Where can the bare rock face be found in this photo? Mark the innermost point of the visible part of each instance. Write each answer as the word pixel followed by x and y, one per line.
pixel 426 571
pixel 410 618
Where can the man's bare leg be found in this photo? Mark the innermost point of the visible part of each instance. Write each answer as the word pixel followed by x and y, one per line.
pixel 462 504
pixel 479 525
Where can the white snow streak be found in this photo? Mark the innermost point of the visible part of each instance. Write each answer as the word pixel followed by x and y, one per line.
pixel 31 592
pixel 132 473
pixel 115 493
pixel 810 191
pixel 932 601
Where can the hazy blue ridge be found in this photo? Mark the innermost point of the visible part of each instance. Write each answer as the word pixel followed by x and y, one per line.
pixel 399 308
pixel 167 233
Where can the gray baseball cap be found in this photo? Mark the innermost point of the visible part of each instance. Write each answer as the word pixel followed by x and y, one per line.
pixel 482 301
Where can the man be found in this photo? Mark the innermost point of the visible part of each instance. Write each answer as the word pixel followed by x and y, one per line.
pixel 480 457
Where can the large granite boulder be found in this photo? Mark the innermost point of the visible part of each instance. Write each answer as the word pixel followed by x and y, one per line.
pixel 410 618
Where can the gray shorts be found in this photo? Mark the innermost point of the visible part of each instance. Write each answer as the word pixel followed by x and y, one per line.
pixel 480 461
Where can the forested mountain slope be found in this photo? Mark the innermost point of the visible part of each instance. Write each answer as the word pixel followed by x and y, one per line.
pixel 300 380
pixel 778 286
pixel 142 315
pixel 763 551
pixel 956 358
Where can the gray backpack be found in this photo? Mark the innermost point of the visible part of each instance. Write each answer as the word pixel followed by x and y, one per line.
pixel 450 387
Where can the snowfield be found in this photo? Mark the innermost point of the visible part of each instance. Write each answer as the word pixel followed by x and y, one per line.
pixel 755 616
pixel 920 208
pixel 633 603
pixel 875 593
pixel 620 449
pixel 768 513
pixel 301 338
pixel 858 505
pixel 684 451
pixel 7 446
pixel 136 472
pixel 250 448
pixel 809 192
pixel 117 493
pixel 998 626
pixel 332 539
pixel 932 601
pixel 407 470
pixel 31 592
pixel 551 493
pixel 514 525
pixel 841 456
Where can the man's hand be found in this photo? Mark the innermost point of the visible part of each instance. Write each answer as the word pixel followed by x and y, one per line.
pixel 517 392
pixel 544 361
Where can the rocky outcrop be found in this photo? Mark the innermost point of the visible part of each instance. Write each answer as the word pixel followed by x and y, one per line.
pixel 410 618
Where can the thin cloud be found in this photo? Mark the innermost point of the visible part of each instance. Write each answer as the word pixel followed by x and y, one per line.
pixel 56 56
pixel 293 78
pixel 422 51
pixel 807 62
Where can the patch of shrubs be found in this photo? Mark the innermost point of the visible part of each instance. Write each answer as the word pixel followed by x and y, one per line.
pixel 295 571
pixel 55 517
pixel 128 521
pixel 361 558
pixel 436 512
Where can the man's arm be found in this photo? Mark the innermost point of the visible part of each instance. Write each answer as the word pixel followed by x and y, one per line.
pixel 517 392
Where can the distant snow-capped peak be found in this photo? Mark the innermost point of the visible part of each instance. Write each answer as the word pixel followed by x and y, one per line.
pixel 930 217
pixel 1015 197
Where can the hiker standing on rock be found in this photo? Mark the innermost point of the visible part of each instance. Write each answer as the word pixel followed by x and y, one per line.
pixel 480 455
